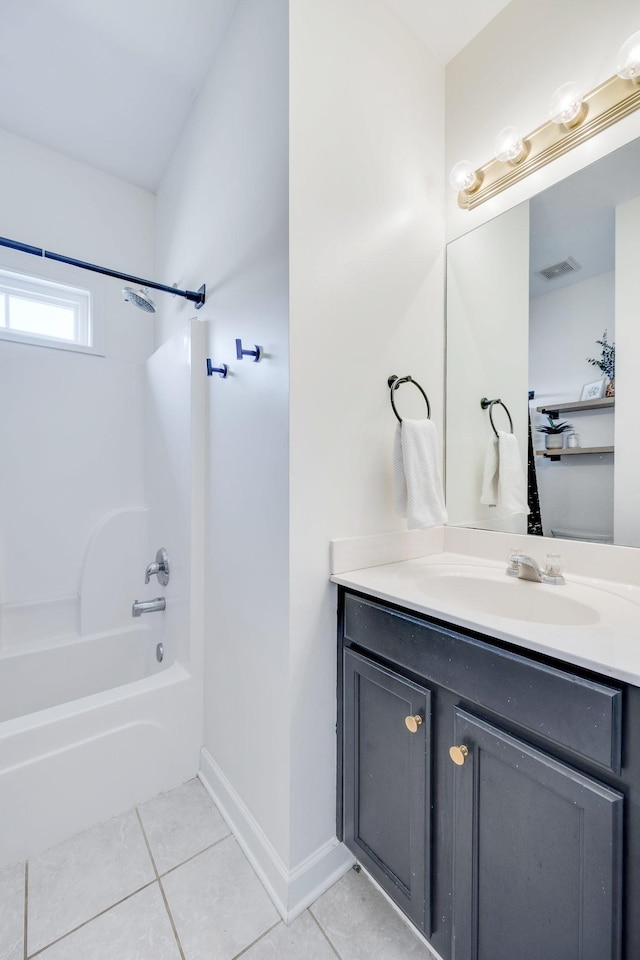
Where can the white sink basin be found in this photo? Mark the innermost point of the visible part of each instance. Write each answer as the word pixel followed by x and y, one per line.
pixel 509 597
pixel 592 622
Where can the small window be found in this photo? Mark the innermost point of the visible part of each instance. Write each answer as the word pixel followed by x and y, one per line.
pixel 45 313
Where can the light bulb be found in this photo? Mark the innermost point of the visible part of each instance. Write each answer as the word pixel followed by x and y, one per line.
pixel 509 145
pixel 566 105
pixel 629 58
pixel 463 176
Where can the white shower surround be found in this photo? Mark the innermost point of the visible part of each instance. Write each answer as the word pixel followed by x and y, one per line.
pixel 90 723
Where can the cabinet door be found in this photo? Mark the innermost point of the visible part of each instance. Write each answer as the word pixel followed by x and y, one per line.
pixel 537 853
pixel 386 781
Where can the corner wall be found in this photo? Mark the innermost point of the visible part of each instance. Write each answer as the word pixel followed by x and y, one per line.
pixel 222 218
pixel 367 301
pixel 319 131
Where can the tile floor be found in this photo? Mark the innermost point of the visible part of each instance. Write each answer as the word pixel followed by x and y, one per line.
pixel 167 881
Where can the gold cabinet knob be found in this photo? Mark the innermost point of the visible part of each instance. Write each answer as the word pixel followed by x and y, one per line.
pixel 412 723
pixel 459 754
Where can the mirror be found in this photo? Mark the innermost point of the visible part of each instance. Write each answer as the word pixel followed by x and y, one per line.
pixel 535 299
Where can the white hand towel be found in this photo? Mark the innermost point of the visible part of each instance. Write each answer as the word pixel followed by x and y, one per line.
pixel 489 495
pixel 512 484
pixel 503 484
pixel 417 485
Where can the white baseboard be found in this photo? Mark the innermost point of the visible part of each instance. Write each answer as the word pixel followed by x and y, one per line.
pixel 291 891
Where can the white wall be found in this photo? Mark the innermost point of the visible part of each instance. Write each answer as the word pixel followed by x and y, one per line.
pixel 627 515
pixel 576 494
pixel 366 301
pixel 506 76
pixel 222 218
pixel 290 468
pixel 72 447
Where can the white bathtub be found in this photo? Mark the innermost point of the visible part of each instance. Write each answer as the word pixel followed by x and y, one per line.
pixel 47 676
pixel 89 728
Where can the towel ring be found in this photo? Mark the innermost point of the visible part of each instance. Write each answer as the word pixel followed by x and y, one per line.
pixel 394 382
pixel 484 403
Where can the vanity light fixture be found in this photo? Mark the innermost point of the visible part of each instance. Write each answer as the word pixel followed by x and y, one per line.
pixel 629 59
pixel 464 177
pixel 574 118
pixel 511 147
pixel 567 105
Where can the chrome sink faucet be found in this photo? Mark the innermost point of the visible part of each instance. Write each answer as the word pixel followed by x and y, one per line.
pixel 524 567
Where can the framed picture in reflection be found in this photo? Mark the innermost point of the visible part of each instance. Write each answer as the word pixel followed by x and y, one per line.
pixel 595 390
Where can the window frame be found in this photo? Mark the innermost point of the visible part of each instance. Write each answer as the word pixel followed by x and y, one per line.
pixel 51 282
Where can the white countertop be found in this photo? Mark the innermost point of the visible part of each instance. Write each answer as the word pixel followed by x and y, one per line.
pixel 609 644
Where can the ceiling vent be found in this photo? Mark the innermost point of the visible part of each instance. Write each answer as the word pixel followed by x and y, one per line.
pixel 559 269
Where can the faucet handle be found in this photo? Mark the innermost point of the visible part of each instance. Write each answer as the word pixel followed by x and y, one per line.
pixel 512 569
pixel 553 568
pixel 159 569
pixel 553 565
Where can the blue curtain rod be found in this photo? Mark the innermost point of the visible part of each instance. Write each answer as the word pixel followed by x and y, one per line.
pixel 197 297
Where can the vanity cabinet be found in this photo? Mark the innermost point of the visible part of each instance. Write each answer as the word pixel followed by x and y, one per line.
pixel 499 820
pixel 537 852
pixel 387 779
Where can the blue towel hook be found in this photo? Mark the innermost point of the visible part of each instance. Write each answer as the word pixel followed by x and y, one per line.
pixel 257 354
pixel 222 370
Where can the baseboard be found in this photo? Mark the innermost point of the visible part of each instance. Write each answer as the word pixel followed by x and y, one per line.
pixel 291 891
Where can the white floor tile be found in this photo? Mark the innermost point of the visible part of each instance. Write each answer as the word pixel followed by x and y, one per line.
pixel 12 912
pixel 302 939
pixel 76 879
pixel 362 925
pixel 181 823
pixel 137 929
pixel 218 904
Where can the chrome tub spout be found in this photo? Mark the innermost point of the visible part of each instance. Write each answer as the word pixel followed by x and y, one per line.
pixel 148 606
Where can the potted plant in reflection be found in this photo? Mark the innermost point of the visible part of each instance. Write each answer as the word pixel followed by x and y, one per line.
pixel 554 431
pixel 606 363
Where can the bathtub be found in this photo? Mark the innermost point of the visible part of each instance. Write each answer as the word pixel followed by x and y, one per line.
pixel 88 728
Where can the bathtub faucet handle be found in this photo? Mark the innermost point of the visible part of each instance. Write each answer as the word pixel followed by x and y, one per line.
pixel 159 569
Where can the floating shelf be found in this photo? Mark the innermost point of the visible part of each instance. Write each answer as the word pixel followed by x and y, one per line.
pixel 571 451
pixel 577 405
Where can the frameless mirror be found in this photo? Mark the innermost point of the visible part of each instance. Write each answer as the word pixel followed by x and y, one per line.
pixel 535 299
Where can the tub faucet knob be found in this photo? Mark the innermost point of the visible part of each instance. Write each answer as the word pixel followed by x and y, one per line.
pixel 159 569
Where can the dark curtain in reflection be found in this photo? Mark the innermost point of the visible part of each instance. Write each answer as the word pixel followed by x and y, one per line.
pixel 534 520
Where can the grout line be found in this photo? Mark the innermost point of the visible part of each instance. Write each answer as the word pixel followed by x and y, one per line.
pixel 26 907
pixel 193 856
pixel 323 932
pixel 171 920
pixel 146 840
pixel 164 896
pixel 257 940
pixel 182 862
pixel 91 919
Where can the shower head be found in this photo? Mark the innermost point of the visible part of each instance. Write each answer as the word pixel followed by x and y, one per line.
pixel 140 297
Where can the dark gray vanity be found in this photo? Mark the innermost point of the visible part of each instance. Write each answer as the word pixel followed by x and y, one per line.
pixel 493 793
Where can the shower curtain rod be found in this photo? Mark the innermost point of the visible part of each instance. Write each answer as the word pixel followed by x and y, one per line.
pixel 197 297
